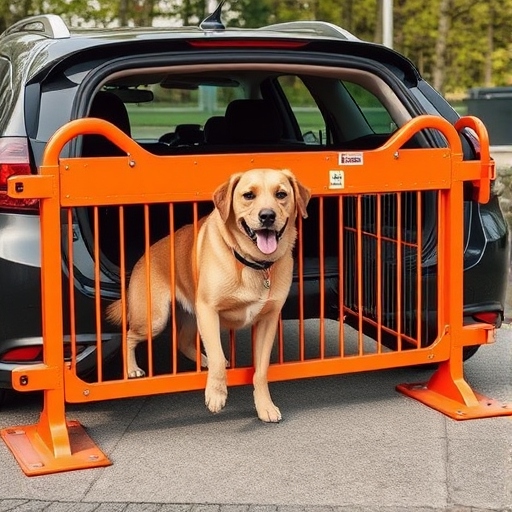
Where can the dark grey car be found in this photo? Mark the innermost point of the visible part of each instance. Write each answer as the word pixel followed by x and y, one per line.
pixel 307 85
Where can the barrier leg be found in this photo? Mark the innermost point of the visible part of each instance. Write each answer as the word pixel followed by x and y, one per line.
pixel 448 392
pixel 53 444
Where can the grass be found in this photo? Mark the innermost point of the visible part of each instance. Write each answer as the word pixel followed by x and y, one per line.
pixel 152 122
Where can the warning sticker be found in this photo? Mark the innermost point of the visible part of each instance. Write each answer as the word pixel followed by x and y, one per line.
pixel 350 159
pixel 336 179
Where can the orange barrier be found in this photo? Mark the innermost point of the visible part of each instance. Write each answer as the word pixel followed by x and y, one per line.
pixel 368 222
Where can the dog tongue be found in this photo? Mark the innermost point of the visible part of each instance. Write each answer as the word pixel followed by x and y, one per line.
pixel 266 241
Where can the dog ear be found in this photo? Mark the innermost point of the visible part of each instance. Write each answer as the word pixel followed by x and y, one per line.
pixel 223 196
pixel 302 194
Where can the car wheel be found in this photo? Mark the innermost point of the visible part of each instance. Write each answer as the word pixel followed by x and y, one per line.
pixel 3 394
pixel 468 352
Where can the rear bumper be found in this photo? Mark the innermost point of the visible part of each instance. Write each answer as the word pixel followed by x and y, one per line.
pixel 21 318
pixel 85 360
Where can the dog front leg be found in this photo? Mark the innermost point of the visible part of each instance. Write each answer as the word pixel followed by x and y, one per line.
pixel 264 339
pixel 208 323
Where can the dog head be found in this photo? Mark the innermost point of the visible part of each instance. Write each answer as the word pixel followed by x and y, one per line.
pixel 260 206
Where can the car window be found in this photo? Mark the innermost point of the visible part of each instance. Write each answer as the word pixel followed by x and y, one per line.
pixel 5 86
pixel 309 118
pixel 178 105
pixel 375 114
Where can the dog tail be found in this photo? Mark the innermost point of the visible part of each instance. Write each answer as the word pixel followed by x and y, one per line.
pixel 115 312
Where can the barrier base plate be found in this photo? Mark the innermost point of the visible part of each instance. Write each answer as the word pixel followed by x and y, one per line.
pixel 484 408
pixel 35 457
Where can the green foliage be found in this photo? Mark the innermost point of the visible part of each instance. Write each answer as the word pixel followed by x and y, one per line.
pixel 479 45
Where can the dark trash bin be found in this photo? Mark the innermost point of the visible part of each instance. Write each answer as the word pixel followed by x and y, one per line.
pixel 493 105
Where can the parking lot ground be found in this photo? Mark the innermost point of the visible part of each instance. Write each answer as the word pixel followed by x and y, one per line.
pixel 347 443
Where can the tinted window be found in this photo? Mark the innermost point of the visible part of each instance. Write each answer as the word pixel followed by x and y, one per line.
pixel 309 118
pixel 374 112
pixel 174 106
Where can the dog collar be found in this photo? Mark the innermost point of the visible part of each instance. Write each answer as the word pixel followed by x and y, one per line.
pixel 256 265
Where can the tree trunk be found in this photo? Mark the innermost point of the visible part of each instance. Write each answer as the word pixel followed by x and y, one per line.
pixel 490 49
pixel 377 36
pixel 444 25
pixel 123 13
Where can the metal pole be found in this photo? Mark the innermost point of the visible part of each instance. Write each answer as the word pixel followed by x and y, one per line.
pixel 387 23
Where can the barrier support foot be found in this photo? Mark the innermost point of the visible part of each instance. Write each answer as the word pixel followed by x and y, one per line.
pixel 53 445
pixel 449 393
pixel 36 458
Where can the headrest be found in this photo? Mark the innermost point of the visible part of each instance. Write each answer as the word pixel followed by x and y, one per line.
pixel 216 130
pixel 188 134
pixel 253 121
pixel 106 105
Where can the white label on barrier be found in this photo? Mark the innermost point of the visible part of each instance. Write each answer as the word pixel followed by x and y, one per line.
pixel 336 179
pixel 350 158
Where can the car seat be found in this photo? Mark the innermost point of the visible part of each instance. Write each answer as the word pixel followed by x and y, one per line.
pixel 108 106
pixel 216 130
pixel 253 122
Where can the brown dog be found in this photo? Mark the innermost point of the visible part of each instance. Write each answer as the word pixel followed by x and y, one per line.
pixel 237 273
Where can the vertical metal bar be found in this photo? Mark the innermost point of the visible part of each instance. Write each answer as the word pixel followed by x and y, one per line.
pixel 52 427
pixel 300 265
pixel 194 255
pixel 71 285
pixel 443 253
pixel 399 268
pixel 341 276
pixel 321 259
pixel 124 308
pixel 232 348
pixel 419 281
pixel 172 281
pixel 147 261
pixel 97 294
pixel 359 248
pixel 280 341
pixel 379 272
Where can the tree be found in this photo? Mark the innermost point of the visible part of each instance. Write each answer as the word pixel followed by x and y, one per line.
pixel 456 44
pixel 251 14
pixel 443 30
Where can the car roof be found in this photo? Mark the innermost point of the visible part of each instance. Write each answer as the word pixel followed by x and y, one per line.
pixel 51 33
pixel 54 27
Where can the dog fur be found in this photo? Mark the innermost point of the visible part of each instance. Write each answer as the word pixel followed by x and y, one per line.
pixel 254 215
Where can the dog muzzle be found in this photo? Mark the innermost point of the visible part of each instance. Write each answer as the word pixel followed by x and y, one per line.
pixel 265 239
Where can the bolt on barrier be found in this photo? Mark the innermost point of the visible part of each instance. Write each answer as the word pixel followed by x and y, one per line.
pixel 364 237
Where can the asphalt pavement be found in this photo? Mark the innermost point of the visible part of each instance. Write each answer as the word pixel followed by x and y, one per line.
pixel 347 443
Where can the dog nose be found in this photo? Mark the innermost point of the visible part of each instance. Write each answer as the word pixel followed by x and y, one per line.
pixel 267 217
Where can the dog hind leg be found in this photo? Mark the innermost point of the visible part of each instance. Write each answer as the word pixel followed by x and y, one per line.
pixel 187 336
pixel 139 327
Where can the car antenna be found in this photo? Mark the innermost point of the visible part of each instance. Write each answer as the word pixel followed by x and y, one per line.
pixel 213 21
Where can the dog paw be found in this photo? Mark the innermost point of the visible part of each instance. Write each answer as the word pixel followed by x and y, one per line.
pixel 215 397
pixel 266 410
pixel 270 414
pixel 136 374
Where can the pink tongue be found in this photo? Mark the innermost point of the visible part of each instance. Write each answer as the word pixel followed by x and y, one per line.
pixel 266 241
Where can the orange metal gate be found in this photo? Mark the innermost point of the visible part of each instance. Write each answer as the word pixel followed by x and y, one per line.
pixel 371 301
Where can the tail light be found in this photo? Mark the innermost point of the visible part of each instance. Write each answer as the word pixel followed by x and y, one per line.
pixel 488 317
pixel 23 355
pixel 14 160
pixel 34 353
pixel 249 43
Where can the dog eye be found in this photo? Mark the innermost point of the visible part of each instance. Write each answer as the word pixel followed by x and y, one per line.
pixel 281 195
pixel 249 195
